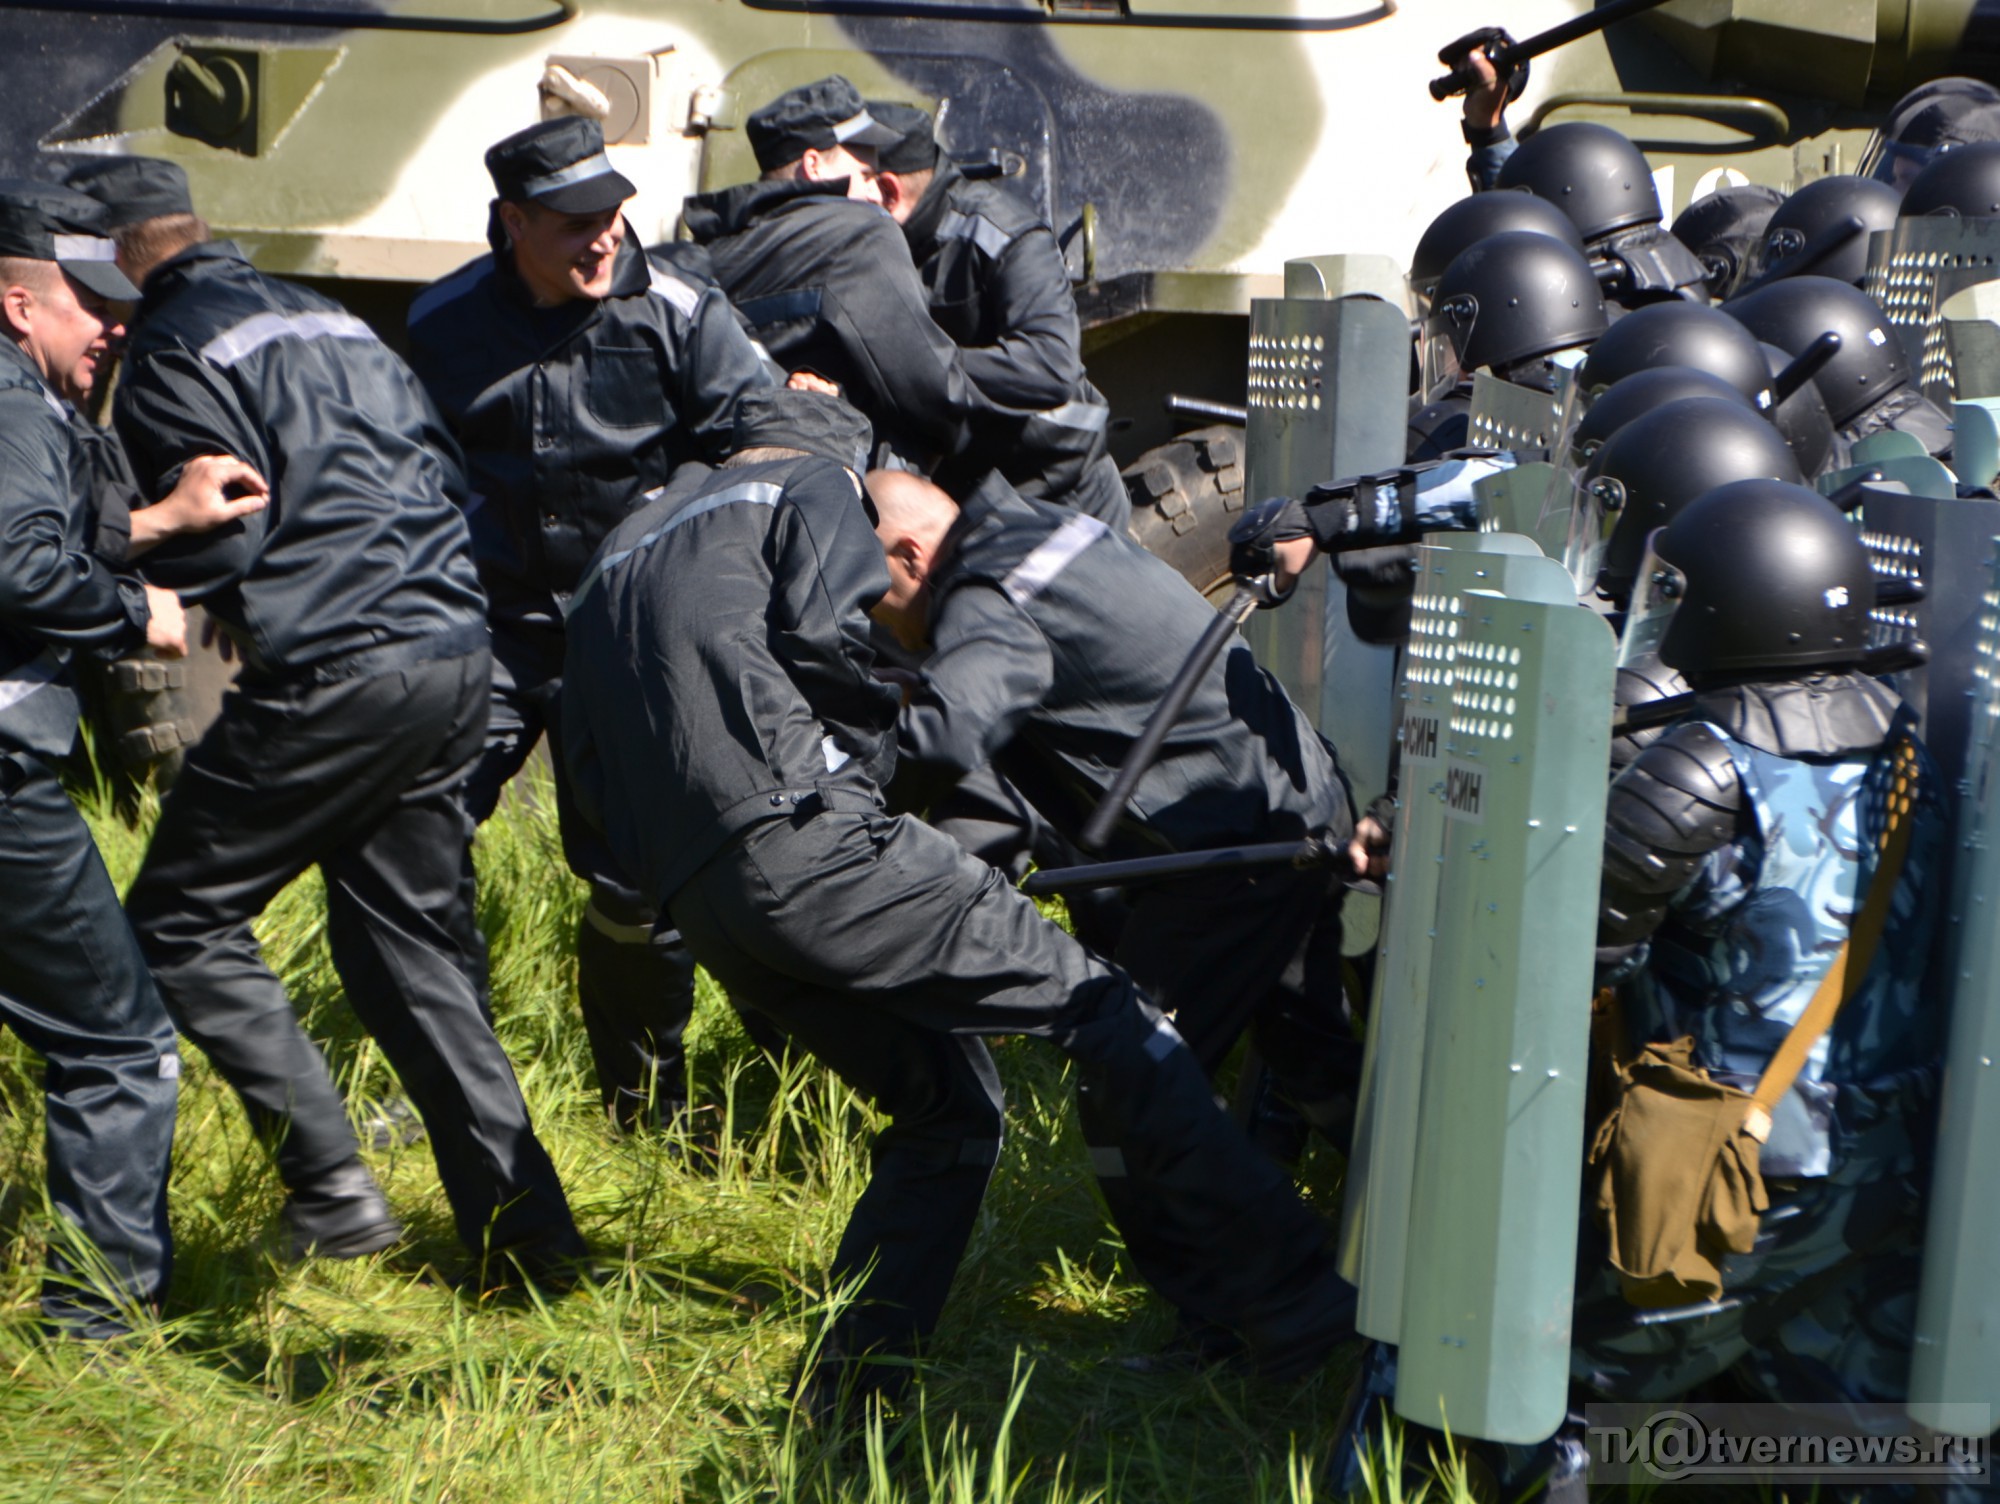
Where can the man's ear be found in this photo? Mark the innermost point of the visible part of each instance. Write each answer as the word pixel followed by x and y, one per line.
pixel 913 555
pixel 17 310
pixel 512 218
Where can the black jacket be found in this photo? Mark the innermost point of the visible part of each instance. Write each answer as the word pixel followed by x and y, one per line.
pixel 997 285
pixel 719 666
pixel 55 595
pixel 569 415
pixel 363 542
pixel 1024 674
pixel 828 285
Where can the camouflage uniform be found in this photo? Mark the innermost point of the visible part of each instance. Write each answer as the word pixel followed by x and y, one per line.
pixel 1829 1295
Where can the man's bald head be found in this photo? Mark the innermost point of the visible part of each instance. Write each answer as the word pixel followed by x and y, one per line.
pixel 912 517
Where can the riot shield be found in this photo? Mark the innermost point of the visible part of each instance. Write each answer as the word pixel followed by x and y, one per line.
pixel 1942 543
pixel 1971 319
pixel 1376 1210
pixel 1520 419
pixel 1897 457
pixel 1327 400
pixel 1956 1362
pixel 1914 270
pixel 1490 1261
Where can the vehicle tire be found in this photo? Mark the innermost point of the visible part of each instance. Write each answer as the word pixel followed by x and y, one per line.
pixel 1184 497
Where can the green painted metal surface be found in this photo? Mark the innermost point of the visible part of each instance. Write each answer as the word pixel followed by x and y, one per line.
pixel 1956 1362
pixel 1490 1261
pixel 1375 1216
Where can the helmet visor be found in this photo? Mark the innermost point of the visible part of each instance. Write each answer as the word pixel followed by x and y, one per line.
pixel 1655 593
pixel 1447 331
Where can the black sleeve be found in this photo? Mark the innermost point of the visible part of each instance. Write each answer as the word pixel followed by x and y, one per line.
pixel 916 371
pixel 828 571
pixel 113 493
pixel 716 359
pixel 989 670
pixel 1677 802
pixel 1037 361
pixel 173 407
pixel 57 591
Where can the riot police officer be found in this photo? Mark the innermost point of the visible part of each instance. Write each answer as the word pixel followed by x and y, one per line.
pixel 1824 227
pixel 999 288
pixel 72 982
pixel 577 371
pixel 757 819
pixel 355 606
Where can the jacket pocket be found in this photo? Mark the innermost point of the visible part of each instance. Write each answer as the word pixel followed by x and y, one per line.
pixel 624 388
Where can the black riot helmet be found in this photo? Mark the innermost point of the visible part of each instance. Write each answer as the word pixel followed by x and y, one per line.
pixel 1632 397
pixel 1654 466
pixel 1772 580
pixel 1677 334
pixel 1473 219
pixel 1824 228
pixel 1936 117
pixel 1794 311
pixel 1802 419
pixel 1725 228
pixel 1964 181
pixel 1590 172
pixel 1515 296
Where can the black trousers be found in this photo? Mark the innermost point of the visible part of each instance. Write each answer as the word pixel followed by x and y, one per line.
pixel 634 981
pixel 362 777
pixel 888 950
pixel 73 986
pixel 1258 950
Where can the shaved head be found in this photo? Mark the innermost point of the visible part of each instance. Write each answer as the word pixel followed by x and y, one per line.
pixel 912 517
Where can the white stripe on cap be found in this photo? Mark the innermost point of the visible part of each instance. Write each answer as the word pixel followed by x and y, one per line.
pixel 84 248
pixel 684 298
pixel 1051 557
pixel 596 166
pixel 250 336
pixel 854 125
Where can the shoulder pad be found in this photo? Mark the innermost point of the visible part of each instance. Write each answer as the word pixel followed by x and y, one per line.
pixel 683 295
pixel 998 204
pixel 450 289
pixel 991 239
pixel 1678 801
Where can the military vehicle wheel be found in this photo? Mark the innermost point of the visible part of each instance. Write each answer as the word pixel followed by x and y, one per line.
pixel 1184 497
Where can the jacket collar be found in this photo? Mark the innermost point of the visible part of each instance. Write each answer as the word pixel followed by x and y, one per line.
pixel 921 230
pixel 710 216
pixel 166 279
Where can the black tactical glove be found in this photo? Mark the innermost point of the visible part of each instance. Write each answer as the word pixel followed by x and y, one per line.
pixel 1253 539
pixel 1487 39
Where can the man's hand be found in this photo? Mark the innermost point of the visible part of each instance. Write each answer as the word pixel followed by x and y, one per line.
pixel 1271 541
pixel 166 625
pixel 199 501
pixel 1485 101
pixel 1368 851
pixel 812 381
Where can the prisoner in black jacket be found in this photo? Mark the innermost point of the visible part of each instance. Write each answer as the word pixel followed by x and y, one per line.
pixel 1023 669
pixel 998 287
pixel 827 284
pixel 569 415
pixel 363 542
pixel 360 709
pixel 1020 599
pixel 723 723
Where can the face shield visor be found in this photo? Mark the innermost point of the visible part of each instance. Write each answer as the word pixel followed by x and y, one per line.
pixel 1447 330
pixel 1895 162
pixel 1655 594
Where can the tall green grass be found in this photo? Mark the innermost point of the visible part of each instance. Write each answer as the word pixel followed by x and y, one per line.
pixel 377 1380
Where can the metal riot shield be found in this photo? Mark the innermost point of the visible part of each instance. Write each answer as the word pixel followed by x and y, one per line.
pixel 1519 419
pixel 1327 400
pixel 1975 439
pixel 1918 267
pixel 1376 1211
pixel 1897 457
pixel 1490 1267
pixel 1943 544
pixel 1956 1361
pixel 1971 319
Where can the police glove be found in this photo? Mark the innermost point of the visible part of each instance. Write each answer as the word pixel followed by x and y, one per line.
pixel 1401 505
pixel 1253 546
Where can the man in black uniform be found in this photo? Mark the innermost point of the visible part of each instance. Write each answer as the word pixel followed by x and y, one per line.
pixel 72 982
pixel 354 604
pixel 825 278
pixel 577 372
pixel 999 288
pixel 725 726
pixel 1012 597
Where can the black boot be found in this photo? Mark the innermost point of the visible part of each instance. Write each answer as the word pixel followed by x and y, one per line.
pixel 340 1215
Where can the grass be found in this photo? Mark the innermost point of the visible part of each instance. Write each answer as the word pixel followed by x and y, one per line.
pixel 376 1380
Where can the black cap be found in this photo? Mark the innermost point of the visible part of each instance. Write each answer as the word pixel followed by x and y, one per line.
pixel 132 188
pixel 41 222
pixel 915 148
pixel 814 117
pixel 559 164
pixel 813 421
